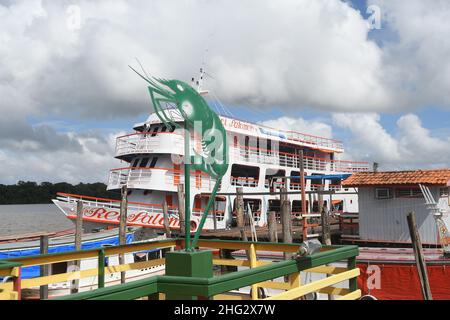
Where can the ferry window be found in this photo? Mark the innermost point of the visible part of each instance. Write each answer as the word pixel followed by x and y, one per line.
pixel 154 161
pixel 153 255
pixel 172 129
pixel 255 207
pixel 277 182
pixel 295 181
pixel 443 192
pixel 317 182
pixel 274 205
pixel 164 129
pixel 134 163
pixel 235 141
pixel 244 176
pixel 140 257
pixel 408 193
pixel 144 162
pixel 297 206
pixel 383 193
pixel 315 207
pixel 247 145
pixel 335 182
pixel 58 268
pixel 155 131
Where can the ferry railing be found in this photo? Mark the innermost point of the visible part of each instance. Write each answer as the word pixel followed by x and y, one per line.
pixel 147 142
pixel 142 177
pixel 111 203
pixel 290 160
pixel 315 140
pixel 265 274
pixel 244 182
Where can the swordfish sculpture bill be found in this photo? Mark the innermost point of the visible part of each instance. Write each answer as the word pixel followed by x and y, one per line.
pixel 199 118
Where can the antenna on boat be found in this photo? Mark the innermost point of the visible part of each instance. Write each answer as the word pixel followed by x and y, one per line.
pixel 142 68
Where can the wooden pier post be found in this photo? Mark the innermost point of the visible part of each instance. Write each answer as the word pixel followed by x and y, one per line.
pixel 43 290
pixel 214 216
pixel 301 160
pixel 181 214
pixel 78 240
pixel 325 223
pixel 123 228
pixel 286 218
pixel 272 226
pixel 420 260
pixel 79 225
pixel 166 220
pixel 240 212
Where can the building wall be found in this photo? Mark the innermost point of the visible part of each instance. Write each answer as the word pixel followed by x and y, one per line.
pixel 385 220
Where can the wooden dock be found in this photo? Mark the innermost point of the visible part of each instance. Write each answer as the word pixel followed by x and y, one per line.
pixel 263 232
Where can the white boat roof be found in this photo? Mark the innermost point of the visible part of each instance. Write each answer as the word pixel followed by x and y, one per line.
pixel 258 130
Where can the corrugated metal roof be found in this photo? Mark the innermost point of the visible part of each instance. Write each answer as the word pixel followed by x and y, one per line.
pixel 430 177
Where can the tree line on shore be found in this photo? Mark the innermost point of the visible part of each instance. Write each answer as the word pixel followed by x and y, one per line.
pixel 28 192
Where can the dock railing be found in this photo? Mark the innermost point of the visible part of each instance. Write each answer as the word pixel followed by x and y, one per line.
pixel 258 272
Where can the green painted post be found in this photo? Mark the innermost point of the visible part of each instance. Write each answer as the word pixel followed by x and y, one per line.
pixel 187 189
pixel 101 268
pixel 353 283
pixel 211 200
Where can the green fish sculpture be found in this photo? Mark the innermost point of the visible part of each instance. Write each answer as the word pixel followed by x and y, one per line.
pixel 199 118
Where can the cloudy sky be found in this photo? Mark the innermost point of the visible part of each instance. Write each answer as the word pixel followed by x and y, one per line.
pixel 327 67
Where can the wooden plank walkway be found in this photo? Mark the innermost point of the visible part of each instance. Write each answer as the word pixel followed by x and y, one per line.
pixel 263 232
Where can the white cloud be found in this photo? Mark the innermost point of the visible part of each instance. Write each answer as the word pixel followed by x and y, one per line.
pixel 263 53
pixel 415 58
pixel 313 127
pixel 410 147
pixel 292 53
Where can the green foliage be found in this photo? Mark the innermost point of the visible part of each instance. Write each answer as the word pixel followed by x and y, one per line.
pixel 34 193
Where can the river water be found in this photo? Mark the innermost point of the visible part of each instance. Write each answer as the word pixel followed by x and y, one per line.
pixel 23 219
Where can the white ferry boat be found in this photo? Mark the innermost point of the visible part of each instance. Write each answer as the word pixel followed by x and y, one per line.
pixel 259 159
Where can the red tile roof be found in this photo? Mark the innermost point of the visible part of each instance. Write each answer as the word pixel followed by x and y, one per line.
pixel 430 177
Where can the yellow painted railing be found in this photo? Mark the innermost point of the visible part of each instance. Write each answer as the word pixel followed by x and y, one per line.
pixel 290 287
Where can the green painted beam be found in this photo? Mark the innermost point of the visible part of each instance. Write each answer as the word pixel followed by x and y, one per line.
pixel 235 280
pixel 127 291
pixel 208 287
pixel 7 264
pixel 90 252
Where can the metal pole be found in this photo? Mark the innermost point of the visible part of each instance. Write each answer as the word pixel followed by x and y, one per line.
pixel 123 228
pixel 101 268
pixel 303 187
pixel 43 290
pixel 78 241
pixel 166 220
pixel 272 225
pixel 240 212
pixel 211 200
pixel 420 260
pixel 181 214
pixel 286 220
pixel 187 187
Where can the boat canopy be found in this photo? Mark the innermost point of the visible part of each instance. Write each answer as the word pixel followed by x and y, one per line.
pixel 327 176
